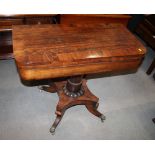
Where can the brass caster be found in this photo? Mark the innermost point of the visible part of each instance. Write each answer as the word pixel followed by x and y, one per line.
pixel 102 118
pixel 52 130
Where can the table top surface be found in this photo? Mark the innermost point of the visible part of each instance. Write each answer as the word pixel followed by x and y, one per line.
pixel 51 51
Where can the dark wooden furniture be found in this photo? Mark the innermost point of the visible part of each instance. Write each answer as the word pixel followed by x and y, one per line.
pixel 94 19
pixel 6 22
pixel 53 51
pixel 146 30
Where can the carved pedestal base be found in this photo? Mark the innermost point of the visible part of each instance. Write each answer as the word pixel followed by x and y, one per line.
pixel 65 101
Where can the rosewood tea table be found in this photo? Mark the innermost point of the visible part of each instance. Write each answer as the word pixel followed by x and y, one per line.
pixel 55 51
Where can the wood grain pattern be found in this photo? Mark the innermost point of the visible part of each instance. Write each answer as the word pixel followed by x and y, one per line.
pixel 51 51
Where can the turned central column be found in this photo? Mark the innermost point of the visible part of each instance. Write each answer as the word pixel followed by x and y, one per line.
pixel 73 87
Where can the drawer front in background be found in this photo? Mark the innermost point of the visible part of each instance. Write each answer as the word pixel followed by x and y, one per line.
pixel 4 23
pixel 38 20
pixel 94 19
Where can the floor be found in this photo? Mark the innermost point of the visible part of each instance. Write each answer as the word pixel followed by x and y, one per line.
pixel 128 101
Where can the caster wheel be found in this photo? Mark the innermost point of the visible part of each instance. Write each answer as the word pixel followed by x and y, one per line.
pixel 103 118
pixel 52 130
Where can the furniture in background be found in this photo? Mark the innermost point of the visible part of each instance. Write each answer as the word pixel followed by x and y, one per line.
pixel 134 21
pixel 6 22
pixel 146 30
pixel 94 19
pixel 72 51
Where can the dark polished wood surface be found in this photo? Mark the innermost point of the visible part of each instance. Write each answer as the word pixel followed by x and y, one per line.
pixel 94 18
pixel 51 51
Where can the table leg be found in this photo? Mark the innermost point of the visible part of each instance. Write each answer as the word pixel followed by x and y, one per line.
pixel 55 124
pixel 73 92
pixel 95 112
pixel 50 88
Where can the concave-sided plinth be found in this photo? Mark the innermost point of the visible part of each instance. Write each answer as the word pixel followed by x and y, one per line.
pixel 72 92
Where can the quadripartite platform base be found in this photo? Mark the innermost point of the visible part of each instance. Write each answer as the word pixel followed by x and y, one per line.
pixel 72 92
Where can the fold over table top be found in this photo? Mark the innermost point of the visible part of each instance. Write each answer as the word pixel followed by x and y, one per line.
pixel 51 51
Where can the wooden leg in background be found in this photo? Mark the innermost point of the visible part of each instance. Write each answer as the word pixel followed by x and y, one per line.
pixel 154 76
pixel 152 66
